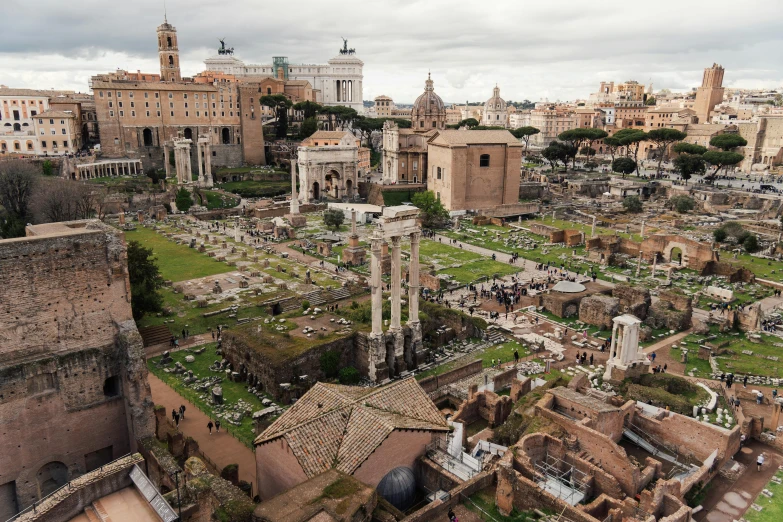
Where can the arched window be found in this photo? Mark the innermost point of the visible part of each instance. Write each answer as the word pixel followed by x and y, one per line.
pixel 147 136
pixel 188 133
pixel 484 160
pixel 171 61
pixel 168 41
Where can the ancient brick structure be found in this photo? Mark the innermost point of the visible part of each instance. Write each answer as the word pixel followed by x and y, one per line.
pixel 633 300
pixel 73 380
pixel 599 310
pixel 695 255
pixel 673 310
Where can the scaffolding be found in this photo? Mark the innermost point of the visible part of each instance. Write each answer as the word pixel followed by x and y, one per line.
pixel 562 479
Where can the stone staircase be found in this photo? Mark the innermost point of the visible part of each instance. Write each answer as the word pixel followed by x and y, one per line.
pixel 340 293
pixel 315 298
pixel 155 335
pixel 495 336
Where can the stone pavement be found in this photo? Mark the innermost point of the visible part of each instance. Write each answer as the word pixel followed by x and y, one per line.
pixel 221 448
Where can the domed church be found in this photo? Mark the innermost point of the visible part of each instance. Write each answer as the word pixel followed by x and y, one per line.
pixel 495 111
pixel 429 111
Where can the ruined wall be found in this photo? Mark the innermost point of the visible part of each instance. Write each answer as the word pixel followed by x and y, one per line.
pixel 438 510
pixel 73 380
pixel 486 405
pixel 430 384
pixel 735 274
pixel 673 310
pixel 633 300
pixel 599 310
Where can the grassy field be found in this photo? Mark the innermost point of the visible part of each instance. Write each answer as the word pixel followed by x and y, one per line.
pixel 397 197
pixel 772 507
pixel 483 504
pixel 176 262
pixel 215 200
pixel 257 189
pixel 464 267
pixel 232 391
pixel 739 363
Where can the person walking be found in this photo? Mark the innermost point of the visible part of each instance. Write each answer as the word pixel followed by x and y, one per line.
pixel 174 415
pixel 176 419
pixel 217 426
pixel 209 427
pixel 182 411
pixel 516 356
pixel 759 462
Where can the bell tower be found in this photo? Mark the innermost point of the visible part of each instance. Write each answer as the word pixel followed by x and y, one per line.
pixel 168 52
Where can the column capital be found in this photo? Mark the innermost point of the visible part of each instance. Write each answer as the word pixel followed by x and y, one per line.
pixel 415 237
pixel 396 240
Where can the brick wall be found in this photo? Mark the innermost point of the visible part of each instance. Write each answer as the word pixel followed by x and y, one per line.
pixel 438 510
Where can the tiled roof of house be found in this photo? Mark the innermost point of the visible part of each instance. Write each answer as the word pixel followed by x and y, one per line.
pixel 328 135
pixel 477 137
pixel 334 426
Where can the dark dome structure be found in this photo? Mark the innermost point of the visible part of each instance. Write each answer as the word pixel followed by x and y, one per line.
pixel 398 487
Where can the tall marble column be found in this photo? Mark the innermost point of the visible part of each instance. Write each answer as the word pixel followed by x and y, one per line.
pixel 198 159
pixel 642 234
pixel 395 283
pixel 413 280
pixel 166 161
pixel 592 232
pixel 376 288
pixel 294 196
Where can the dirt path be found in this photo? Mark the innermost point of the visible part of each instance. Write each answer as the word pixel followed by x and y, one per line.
pixel 221 448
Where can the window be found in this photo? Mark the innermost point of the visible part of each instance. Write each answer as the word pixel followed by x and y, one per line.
pixel 65 144
pixel 133 104
pixel 186 105
pixel 62 122
pixel 100 93
pixel 185 96
pixel 170 96
pixel 433 124
pixel 415 165
pixel 119 94
pixel 64 131
pixel 108 94
pixel 111 387
pixel 119 104
pixel 421 124
pixel 439 173
pixel 172 114
pixel 146 95
pixel 40 121
pixel 156 95
pixel 484 160
pixel 111 104
pixel 43 144
pixel 111 113
pixel 148 114
pixel 54 132
pixel 133 113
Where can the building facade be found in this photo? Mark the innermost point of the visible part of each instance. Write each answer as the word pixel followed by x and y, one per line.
pixel 384 106
pixel 475 170
pixel 404 157
pixel 338 82
pixel 58 132
pixel 551 120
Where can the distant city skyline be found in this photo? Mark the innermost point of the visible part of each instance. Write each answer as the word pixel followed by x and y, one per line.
pixel 553 51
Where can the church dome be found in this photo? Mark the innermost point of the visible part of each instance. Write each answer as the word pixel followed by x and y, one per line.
pixel 398 487
pixel 429 102
pixel 496 103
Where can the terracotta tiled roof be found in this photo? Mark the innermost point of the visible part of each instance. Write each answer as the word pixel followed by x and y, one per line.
pixel 328 135
pixel 477 137
pixel 55 114
pixel 335 426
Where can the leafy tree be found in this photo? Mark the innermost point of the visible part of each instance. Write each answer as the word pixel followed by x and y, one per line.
pixel 349 376
pixel 662 138
pixel 612 144
pixel 403 124
pixel 556 152
pixel 333 218
pixel 468 122
pixel 183 200
pixel 18 180
pixel 330 364
pixel 682 204
pixel 688 148
pixel 339 116
pixel 280 104
pixel 432 212
pixel 366 126
pixel 587 151
pixel 524 134
pixel 623 165
pixel 728 141
pixel 308 128
pixel 590 165
pixel 631 139
pixel 650 101
pixel 751 243
pixel 48 168
pixel 594 135
pixel 688 165
pixel 632 204
pixel 576 138
pixel 308 108
pixel 720 159
pixel 719 234
pixel 145 280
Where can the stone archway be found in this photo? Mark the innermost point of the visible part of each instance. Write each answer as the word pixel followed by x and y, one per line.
pixel 316 191
pixel 332 180
pixel 51 477
pixel 349 188
pixel 188 134
pixel 676 252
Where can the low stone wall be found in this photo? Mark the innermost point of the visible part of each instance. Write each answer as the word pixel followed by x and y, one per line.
pixel 503 379
pixel 438 510
pixel 68 502
pixel 430 384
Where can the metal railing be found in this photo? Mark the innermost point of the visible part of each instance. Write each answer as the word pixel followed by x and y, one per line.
pixel 65 487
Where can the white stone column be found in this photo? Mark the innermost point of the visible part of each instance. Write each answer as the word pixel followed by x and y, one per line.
pixel 395 283
pixel 613 347
pixel 592 232
pixel 198 156
pixel 413 279
pixel 166 161
pixel 376 288
pixel 294 196
pixel 642 234
pixel 208 164
pixel 189 171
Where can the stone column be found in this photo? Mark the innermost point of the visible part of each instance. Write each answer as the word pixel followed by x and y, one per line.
pixel 376 288
pixel 592 232
pixel 413 279
pixel 198 159
pixel 166 160
pixel 396 270
pixel 189 170
pixel 639 265
pixel 294 196
pixel 642 234
pixel 655 262
pixel 208 163
pixel 353 223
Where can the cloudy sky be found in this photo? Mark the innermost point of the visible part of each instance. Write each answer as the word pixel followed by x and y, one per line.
pixel 559 50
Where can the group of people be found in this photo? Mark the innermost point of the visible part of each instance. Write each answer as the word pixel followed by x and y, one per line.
pixel 582 359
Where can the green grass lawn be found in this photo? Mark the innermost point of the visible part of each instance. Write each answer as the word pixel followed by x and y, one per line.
pixel 177 262
pixel 397 197
pixel 483 504
pixel 232 391
pixel 772 507
pixel 463 266
pixel 257 189
pixel 215 200
pixel 504 352
pixel 739 363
